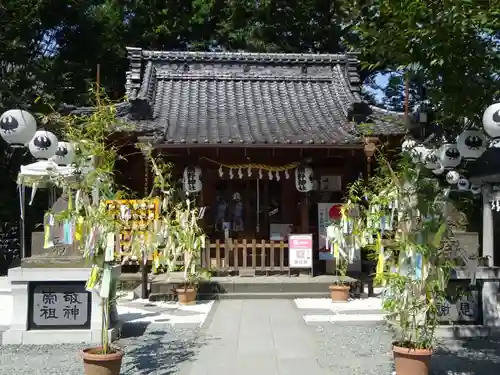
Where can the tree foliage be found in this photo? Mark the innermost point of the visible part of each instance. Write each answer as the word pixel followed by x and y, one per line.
pixel 451 48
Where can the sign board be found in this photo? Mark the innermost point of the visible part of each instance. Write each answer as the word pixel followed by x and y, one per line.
pixel 300 250
pixel 59 305
pixel 462 308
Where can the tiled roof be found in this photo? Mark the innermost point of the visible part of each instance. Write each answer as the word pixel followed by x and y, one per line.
pixel 251 98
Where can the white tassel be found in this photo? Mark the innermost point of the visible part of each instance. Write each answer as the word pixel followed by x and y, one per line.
pixel 240 174
pixel 34 188
pixel 277 176
pixel 260 174
pixel 287 175
pixel 221 171
pixel 270 175
pixel 231 174
pixel 249 171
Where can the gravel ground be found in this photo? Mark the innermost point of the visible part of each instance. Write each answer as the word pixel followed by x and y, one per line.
pixel 372 354
pixel 150 352
pixel 343 349
pixel 353 349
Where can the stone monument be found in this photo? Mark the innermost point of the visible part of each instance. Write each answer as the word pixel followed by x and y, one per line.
pixel 50 302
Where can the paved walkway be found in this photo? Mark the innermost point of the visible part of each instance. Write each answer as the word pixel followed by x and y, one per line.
pixel 265 337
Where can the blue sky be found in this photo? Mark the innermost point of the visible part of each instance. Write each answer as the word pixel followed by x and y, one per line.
pixel 381 80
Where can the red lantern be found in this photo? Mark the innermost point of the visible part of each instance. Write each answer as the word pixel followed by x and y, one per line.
pixel 334 212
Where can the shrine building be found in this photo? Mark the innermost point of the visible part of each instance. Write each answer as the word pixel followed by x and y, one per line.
pixel 267 143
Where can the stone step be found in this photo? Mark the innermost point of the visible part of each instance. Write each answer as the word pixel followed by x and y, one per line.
pixel 226 296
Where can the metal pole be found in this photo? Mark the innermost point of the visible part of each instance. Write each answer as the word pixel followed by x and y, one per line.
pixel 258 207
pixel 22 225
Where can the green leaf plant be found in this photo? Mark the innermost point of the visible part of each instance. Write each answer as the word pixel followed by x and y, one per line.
pixel 179 233
pixel 398 214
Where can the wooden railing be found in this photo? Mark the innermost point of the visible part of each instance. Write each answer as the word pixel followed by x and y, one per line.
pixel 246 256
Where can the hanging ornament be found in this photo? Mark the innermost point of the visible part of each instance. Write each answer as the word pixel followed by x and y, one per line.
pixel 471 144
pixel 408 145
pixel 491 121
pixel 260 174
pixel 431 160
pixel 452 177
pixel 463 184
pixel 449 156
pixel 221 172
pixel 17 127
pixel 240 174
pixel 43 145
pixel 303 179
pixel 270 175
pixel 475 189
pixel 231 174
pixel 439 170
pixel 65 153
pixel 287 175
pixel 277 176
pixel 192 179
pixel 249 171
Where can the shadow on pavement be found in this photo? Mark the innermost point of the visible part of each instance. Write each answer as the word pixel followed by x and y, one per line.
pixel 467 356
pixel 159 352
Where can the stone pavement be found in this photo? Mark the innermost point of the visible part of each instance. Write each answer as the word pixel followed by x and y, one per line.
pixel 265 337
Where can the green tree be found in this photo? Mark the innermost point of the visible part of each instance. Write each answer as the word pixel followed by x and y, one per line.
pixel 453 44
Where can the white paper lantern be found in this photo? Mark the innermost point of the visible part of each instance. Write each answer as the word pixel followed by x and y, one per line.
pixel 408 145
pixel 452 177
pixel 439 170
pixel 472 144
pixel 43 145
pixel 449 156
pixel 463 184
pixel 17 127
pixel 303 179
pixel 192 179
pixel 491 120
pixel 65 153
pixel 431 160
pixel 475 189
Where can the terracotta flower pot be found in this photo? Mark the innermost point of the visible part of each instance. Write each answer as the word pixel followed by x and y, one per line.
pixel 186 296
pixel 101 364
pixel 411 361
pixel 339 293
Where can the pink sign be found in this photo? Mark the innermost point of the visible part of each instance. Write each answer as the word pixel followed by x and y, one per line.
pixel 301 243
pixel 300 250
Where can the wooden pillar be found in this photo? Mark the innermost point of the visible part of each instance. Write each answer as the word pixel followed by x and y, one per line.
pixel 487 240
pixel 304 213
pixel 288 211
pixel 369 150
pixel 144 266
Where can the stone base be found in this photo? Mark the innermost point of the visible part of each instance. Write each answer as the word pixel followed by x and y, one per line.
pixel 21 332
pixel 55 337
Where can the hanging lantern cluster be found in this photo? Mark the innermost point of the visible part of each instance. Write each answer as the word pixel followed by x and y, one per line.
pixel 192 179
pixel 470 145
pixel 18 128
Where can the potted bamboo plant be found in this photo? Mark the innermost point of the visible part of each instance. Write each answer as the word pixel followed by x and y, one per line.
pixel 190 241
pixel 339 290
pixel 405 206
pixel 95 229
pixel 179 233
